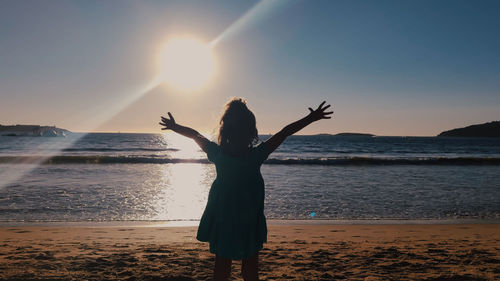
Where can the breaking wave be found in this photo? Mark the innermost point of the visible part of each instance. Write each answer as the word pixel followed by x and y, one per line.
pixel 341 161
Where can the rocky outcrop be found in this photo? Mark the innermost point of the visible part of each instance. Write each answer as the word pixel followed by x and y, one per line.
pixel 32 131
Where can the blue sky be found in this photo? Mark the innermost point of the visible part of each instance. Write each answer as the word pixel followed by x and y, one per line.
pixel 387 67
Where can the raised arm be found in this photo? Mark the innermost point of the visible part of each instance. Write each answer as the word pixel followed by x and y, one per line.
pixel 314 115
pixel 169 124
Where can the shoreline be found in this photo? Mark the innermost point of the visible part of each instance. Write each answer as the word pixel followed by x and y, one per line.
pixel 192 223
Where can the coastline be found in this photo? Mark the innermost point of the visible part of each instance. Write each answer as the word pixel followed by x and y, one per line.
pixel 194 223
pixel 294 251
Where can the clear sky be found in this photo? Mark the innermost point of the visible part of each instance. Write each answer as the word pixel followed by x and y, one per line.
pixel 388 67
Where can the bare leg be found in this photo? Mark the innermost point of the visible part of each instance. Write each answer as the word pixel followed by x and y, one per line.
pixel 222 269
pixel 250 268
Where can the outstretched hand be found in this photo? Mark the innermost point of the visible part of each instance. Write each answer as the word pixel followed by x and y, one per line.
pixel 320 112
pixel 169 124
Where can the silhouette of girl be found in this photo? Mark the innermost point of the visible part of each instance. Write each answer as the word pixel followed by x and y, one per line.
pixel 233 221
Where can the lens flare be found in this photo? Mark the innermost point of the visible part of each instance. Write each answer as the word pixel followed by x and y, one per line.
pixel 260 12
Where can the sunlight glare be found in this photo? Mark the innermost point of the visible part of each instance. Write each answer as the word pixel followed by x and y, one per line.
pixel 186 147
pixel 187 64
pixel 186 193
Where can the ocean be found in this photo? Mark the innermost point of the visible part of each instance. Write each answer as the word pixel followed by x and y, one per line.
pixel 164 177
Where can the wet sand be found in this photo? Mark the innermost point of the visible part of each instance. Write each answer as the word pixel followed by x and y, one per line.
pixel 294 252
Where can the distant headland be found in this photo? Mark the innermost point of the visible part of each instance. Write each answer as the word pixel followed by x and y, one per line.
pixel 32 131
pixel 354 135
pixel 489 130
pixel 342 135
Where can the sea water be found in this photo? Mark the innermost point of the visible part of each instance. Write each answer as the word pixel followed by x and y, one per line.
pixel 164 177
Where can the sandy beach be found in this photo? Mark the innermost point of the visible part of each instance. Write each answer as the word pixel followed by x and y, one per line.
pixel 294 252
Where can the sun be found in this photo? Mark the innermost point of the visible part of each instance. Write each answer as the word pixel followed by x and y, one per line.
pixel 187 64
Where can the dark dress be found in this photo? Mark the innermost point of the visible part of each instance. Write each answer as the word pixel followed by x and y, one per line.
pixel 233 221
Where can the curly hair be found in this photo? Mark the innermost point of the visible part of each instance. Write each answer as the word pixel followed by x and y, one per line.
pixel 238 130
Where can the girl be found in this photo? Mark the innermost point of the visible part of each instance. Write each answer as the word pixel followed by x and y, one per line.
pixel 233 221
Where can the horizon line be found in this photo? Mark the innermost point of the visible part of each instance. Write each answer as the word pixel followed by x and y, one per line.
pixel 316 134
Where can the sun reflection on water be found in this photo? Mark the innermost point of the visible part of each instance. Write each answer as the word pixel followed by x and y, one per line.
pixel 185 148
pixel 186 191
pixel 185 186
